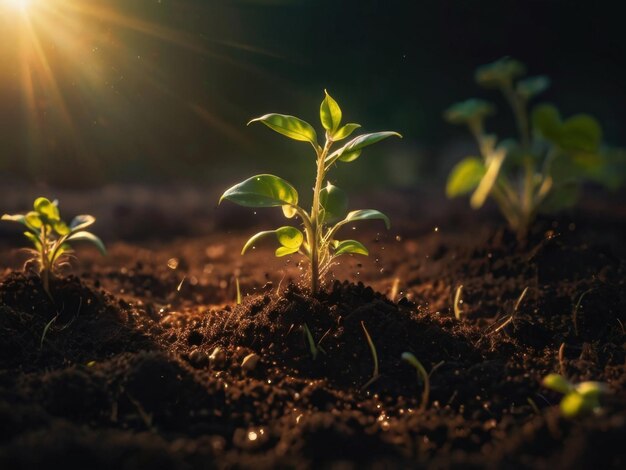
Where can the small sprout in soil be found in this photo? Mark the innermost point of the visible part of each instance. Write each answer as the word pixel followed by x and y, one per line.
pixel 422 376
pixel 458 311
pixel 329 210
pixel 51 237
pixel 579 398
pixel 238 298
pixel 540 171
pixel 375 372
pixel 250 362
pixel 577 308
pixel 314 347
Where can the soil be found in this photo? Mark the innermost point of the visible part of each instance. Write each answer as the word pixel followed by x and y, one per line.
pixel 127 374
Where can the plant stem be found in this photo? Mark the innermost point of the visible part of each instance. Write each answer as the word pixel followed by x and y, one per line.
pixel 314 241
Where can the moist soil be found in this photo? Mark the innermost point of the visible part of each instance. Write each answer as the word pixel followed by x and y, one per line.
pixel 137 360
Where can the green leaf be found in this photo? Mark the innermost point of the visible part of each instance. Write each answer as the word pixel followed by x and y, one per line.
pixel 581 132
pixel 465 176
pixel 34 240
pixel 33 220
pixel 89 237
pixel 350 156
pixel 284 251
pixel 290 126
pixel 61 228
pixel 290 238
pixel 334 202
pixel 330 114
pixel 347 152
pixel 532 86
pixel 558 383
pixel 262 191
pixel 345 131
pixel 349 246
pixel 500 73
pixel 546 120
pixel 471 110
pixel 591 389
pixel 82 221
pixel 47 209
pixel 573 404
pixel 366 214
pixel 20 218
pixel 489 179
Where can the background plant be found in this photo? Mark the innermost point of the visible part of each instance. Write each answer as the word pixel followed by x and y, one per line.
pixel 541 170
pixel 329 209
pixel 578 399
pixel 51 236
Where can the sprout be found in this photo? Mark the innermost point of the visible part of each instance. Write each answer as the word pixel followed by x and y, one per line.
pixel 318 241
pixel 422 376
pixel 578 399
pixel 51 237
pixel 370 343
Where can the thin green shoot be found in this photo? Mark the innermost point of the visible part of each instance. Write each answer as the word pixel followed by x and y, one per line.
pixel 314 348
pixel 370 343
pixel 577 308
pixel 422 377
pixel 458 311
pixel 238 288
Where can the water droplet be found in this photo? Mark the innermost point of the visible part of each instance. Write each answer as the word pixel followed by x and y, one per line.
pixel 172 263
pixel 398 238
pixel 436 229
pixel 252 436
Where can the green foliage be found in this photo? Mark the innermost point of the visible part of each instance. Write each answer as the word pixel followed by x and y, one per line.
pixel 51 236
pixel 542 170
pixel 578 399
pixel 317 241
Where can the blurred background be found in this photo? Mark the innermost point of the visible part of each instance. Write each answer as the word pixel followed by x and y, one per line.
pixel 94 92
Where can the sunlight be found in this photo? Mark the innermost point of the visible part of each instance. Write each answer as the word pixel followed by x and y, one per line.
pixel 20 5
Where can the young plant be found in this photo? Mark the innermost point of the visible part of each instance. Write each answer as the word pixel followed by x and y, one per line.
pixel 422 376
pixel 540 171
pixel 51 237
pixel 329 210
pixel 579 398
pixel 372 346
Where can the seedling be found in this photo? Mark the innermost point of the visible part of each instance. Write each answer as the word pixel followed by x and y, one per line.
pixel 329 210
pixel 51 237
pixel 372 346
pixel 314 348
pixel 579 398
pixel 544 168
pixel 422 376
pixel 458 311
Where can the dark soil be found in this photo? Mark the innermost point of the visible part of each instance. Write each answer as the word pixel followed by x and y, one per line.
pixel 127 375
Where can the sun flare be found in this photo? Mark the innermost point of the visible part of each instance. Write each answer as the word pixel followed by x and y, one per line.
pixel 20 5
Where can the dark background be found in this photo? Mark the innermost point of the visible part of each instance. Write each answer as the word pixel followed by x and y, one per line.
pixel 173 109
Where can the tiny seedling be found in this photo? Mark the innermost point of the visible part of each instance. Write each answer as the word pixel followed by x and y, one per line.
pixel 540 171
pixel 314 348
pixel 579 398
pixel 51 237
pixel 422 376
pixel 375 372
pixel 329 209
pixel 458 311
